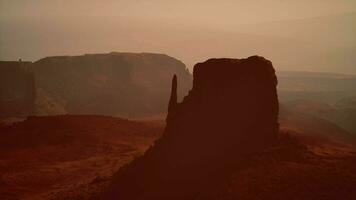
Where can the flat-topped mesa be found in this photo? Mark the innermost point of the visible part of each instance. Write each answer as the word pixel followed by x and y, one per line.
pixel 131 83
pixel 230 112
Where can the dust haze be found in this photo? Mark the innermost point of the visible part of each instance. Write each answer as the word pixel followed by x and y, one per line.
pixel 297 35
pixel 162 99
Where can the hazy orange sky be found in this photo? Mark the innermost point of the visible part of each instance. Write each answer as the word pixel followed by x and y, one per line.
pixel 191 31
pixel 204 11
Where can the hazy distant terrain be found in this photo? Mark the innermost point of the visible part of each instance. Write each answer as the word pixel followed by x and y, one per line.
pixel 319 96
pixel 114 84
pixel 341 114
pixel 315 86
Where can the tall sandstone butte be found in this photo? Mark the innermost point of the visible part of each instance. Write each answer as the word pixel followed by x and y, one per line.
pixel 230 112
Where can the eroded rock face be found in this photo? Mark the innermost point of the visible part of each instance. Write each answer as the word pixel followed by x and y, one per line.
pixel 119 84
pixel 116 84
pixel 17 89
pixel 230 112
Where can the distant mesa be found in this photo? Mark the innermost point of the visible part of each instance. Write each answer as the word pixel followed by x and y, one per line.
pixel 115 84
pixel 17 89
pixel 230 112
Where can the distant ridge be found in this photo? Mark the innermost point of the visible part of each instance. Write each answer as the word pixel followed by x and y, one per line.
pixel 116 84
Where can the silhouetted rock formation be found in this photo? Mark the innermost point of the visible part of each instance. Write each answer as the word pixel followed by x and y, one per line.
pixel 17 89
pixel 230 113
pixel 173 99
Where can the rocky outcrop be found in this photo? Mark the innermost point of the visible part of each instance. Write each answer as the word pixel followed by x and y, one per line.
pixel 17 89
pixel 119 84
pixel 230 112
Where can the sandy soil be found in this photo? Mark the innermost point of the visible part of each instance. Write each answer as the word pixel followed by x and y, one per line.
pixel 75 157
pixel 64 157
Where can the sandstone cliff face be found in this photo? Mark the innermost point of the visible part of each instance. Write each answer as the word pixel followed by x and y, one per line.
pixel 121 84
pixel 230 112
pixel 17 89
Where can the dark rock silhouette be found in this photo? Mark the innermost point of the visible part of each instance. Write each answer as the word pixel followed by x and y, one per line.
pixel 17 89
pixel 230 113
pixel 173 99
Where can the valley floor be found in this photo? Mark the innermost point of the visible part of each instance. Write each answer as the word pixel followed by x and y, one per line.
pixel 74 157
pixel 62 156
